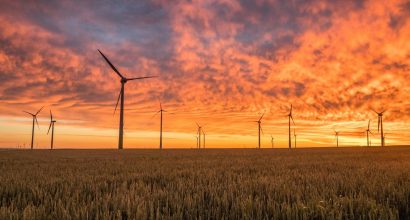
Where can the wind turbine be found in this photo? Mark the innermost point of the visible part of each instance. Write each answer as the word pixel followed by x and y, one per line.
pixel 160 128
pixel 34 120
pixel 259 130
pixel 121 96
pixel 199 134
pixel 203 132
pixel 337 138
pixel 367 134
pixel 380 125
pixel 52 129
pixel 271 140
pixel 290 117
pixel 294 134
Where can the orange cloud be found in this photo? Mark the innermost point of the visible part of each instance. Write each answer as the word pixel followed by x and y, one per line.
pixel 221 63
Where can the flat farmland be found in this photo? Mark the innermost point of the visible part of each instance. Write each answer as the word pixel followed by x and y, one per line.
pixel 316 183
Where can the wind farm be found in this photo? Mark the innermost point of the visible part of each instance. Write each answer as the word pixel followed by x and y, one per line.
pixel 205 109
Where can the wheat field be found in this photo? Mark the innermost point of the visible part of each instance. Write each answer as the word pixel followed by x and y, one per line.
pixel 323 183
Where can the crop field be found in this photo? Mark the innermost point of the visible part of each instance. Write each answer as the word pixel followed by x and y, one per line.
pixel 325 183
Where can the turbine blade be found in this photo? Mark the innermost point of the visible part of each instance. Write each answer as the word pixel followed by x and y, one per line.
pixel 39 110
pixel 262 116
pixel 28 113
pixel 118 100
pixel 292 119
pixel 49 128
pixel 291 107
pixel 197 124
pixel 262 131
pixel 144 77
pixel 51 116
pixel 111 65
pixel 155 114
pixel 368 126
pixel 35 118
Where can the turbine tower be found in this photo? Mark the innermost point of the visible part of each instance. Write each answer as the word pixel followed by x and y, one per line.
pixel 34 120
pixel 259 130
pixel 52 129
pixel 384 139
pixel 290 117
pixel 196 141
pixel 337 138
pixel 121 96
pixel 367 134
pixel 271 140
pixel 199 135
pixel 380 126
pixel 294 134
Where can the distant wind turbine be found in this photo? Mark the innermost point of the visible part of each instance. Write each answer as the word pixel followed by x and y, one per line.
pixel 367 134
pixel 199 134
pixel 271 140
pixel 203 132
pixel 380 125
pixel 34 120
pixel 337 138
pixel 290 117
pixel 52 129
pixel 294 134
pixel 259 130
pixel 160 127
pixel 121 96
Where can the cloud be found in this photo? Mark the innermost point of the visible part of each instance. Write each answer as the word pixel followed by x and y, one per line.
pixel 334 60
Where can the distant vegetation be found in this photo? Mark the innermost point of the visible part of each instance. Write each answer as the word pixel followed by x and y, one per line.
pixel 354 183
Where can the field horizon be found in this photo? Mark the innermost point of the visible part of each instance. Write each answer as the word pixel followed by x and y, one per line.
pixel 207 148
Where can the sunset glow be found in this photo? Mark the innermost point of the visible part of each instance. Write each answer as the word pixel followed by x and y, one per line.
pixel 219 63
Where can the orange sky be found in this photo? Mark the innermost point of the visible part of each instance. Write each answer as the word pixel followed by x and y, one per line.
pixel 220 63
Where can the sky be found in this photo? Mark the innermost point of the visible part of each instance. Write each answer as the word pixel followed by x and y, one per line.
pixel 220 63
